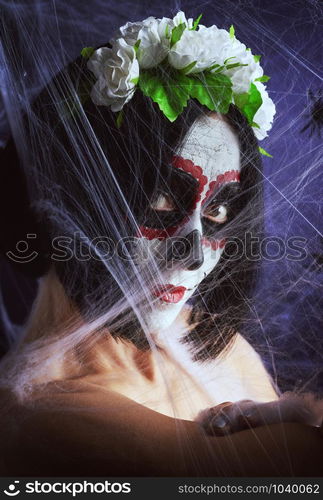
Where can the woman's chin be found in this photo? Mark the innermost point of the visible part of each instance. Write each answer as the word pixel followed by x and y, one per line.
pixel 162 318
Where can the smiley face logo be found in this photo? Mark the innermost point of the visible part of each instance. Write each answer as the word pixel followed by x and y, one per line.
pixel 12 489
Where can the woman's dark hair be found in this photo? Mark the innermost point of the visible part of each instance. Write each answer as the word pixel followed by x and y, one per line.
pixel 72 129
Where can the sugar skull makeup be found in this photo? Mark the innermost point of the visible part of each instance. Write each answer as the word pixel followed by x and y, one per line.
pixel 190 205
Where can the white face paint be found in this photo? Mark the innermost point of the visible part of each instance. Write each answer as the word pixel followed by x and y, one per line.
pixel 211 154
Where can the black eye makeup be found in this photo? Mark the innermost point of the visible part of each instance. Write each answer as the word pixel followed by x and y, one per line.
pixel 172 199
pixel 221 208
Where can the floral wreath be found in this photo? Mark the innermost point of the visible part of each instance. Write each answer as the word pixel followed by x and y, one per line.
pixel 173 60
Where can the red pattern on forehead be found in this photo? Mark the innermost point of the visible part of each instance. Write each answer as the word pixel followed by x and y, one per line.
pixel 195 170
pixel 229 176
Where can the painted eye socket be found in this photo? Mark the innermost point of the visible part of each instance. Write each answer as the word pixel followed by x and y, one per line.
pixel 163 203
pixel 216 213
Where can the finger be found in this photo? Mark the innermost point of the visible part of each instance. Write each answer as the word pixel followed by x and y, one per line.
pixel 207 417
pixel 237 417
pixel 230 417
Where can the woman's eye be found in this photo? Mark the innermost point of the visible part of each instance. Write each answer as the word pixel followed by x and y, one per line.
pixel 163 203
pixel 216 213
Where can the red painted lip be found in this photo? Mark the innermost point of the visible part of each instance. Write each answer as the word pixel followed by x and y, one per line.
pixel 170 293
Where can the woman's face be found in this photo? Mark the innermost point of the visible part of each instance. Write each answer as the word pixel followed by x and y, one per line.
pixel 185 214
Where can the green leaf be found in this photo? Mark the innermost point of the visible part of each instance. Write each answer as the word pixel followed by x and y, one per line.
pixel 232 31
pixel 263 78
pixel 249 103
pixel 254 124
pixel 213 67
pixel 241 100
pixel 177 33
pixel 235 65
pixel 188 68
pixel 136 46
pixel 212 90
pixel 228 59
pixel 87 52
pixel 217 70
pixel 119 119
pixel 135 80
pixel 264 152
pixel 196 23
pixel 171 95
pixel 256 58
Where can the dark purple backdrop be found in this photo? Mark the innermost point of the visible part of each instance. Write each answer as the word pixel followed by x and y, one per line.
pixel 288 34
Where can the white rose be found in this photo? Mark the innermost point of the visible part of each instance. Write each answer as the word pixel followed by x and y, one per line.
pixel 180 18
pixel 265 114
pixel 226 48
pixel 116 69
pixel 242 76
pixel 221 45
pixel 154 42
pixel 207 46
pixel 193 46
pixel 130 30
pixel 154 35
pixel 154 39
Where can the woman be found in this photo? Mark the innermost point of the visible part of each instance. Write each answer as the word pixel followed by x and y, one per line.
pixel 140 214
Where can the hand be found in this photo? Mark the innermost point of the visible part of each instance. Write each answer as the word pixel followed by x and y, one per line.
pixel 229 417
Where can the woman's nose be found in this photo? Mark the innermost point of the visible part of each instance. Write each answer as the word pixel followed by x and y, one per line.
pixel 196 255
pixel 188 250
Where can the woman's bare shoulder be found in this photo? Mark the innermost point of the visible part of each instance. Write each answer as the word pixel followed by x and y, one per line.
pixel 56 403
pixel 75 428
